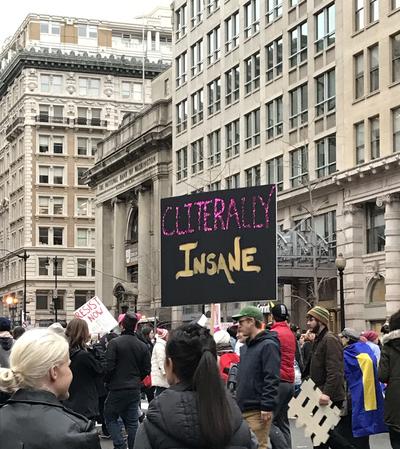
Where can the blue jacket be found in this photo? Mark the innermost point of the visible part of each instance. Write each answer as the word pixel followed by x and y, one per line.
pixel 259 373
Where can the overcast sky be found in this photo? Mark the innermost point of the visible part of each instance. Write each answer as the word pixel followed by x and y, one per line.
pixel 117 10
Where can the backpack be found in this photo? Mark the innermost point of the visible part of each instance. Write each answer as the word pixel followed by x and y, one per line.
pixel 232 378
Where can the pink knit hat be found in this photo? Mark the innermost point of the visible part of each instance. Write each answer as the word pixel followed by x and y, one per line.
pixel 370 335
pixel 162 333
pixel 121 316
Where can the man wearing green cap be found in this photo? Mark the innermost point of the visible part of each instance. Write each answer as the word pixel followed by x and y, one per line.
pixel 258 374
pixel 326 368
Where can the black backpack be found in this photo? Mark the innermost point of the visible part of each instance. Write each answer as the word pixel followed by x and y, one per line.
pixel 232 378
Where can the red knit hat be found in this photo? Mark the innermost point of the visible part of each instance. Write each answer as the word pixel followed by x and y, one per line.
pixel 370 335
pixel 162 333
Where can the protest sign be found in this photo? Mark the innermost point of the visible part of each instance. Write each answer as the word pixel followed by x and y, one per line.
pixel 219 246
pixel 96 314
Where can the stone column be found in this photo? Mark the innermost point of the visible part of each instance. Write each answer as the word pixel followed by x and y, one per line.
pixel 157 41
pixel 119 231
pixel 104 259
pixel 148 41
pixel 392 252
pixel 145 289
pixel 352 246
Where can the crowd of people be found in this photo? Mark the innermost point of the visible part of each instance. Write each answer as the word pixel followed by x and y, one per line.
pixel 216 390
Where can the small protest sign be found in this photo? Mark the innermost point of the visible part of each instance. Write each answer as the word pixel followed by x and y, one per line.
pixel 219 246
pixel 96 314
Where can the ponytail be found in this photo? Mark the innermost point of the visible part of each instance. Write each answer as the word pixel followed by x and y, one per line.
pixel 194 355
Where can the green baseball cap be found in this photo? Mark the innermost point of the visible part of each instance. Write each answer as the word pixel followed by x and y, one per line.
pixel 250 312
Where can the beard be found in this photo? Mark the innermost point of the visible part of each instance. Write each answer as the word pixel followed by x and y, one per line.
pixel 317 328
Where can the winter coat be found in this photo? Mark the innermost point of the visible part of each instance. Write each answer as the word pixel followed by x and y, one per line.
pixel 327 366
pixel 173 423
pixel 36 419
pixel 258 373
pixel 83 392
pixel 225 361
pixel 288 345
pixel 127 362
pixel 158 376
pixel 389 372
pixel 6 342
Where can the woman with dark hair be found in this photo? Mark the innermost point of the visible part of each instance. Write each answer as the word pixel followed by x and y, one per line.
pixel 196 411
pixel 86 369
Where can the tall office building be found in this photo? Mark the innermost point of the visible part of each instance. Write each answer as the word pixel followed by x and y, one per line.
pixel 65 83
pixel 304 94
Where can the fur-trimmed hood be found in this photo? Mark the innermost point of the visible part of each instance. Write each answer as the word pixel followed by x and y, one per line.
pixel 394 335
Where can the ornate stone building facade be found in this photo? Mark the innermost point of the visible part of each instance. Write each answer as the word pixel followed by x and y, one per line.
pixel 131 174
pixel 65 84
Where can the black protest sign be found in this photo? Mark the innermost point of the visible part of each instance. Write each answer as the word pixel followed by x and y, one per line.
pixel 219 246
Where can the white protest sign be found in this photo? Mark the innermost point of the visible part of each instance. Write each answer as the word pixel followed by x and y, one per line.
pixel 96 314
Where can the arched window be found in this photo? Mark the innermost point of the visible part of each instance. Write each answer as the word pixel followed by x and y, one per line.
pixel 377 290
pixel 133 228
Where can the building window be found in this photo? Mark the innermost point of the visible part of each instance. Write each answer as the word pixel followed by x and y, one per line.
pixel 395 40
pixel 80 174
pixel 325 28
pixel 232 32
pixel 298 45
pixel 252 129
pixel 51 175
pixel 197 107
pixel 182 163
pixel 275 172
pixel 359 20
pixel 89 87
pixel 375 228
pixel 54 235
pixel 373 10
pixel 253 176
pixel 197 156
pixel 44 205
pixel 395 4
pixel 181 116
pixel 214 96
pixel 373 56
pixel 274 10
pixel 50 205
pixel 180 22
pixel 212 5
pixel 214 186
pixel 43 266
pixel 131 90
pixel 232 85
pixel 197 57
pixel 251 18
pixel 83 146
pixel 274 118
pixel 374 137
pixel 326 156
pixel 359 75
pixel 326 93
pixel 232 139
pixel 252 73
pixel 213 45
pixel 58 234
pixel 52 28
pixel 196 10
pixel 87 31
pixel 42 300
pixel 214 148
pixel 58 205
pixel 273 52
pixel 44 144
pixel 396 129
pixel 181 69
pixel 360 142
pixel 85 267
pixel 299 166
pixel 233 181
pixel 51 83
pixel 377 291
pixel 82 207
pixel 85 237
pixel 298 106
pixel 293 2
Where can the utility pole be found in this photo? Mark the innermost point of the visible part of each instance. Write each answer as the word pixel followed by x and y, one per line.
pixel 55 292
pixel 24 257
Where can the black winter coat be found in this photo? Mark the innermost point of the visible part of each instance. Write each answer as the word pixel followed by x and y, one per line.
pixel 259 373
pixel 173 423
pixel 83 391
pixel 127 362
pixel 389 372
pixel 36 419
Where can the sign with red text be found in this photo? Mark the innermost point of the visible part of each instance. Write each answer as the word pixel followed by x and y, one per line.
pixel 98 317
pixel 219 246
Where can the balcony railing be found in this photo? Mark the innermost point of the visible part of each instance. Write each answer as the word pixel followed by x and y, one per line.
pixel 53 120
pixel 15 128
pixel 90 122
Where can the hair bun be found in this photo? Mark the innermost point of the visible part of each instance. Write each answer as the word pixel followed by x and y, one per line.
pixel 9 380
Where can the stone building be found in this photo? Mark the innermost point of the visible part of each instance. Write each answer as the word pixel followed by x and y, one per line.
pixel 304 94
pixel 131 174
pixel 65 84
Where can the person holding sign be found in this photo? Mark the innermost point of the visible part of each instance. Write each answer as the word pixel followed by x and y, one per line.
pixel 196 411
pixel 259 373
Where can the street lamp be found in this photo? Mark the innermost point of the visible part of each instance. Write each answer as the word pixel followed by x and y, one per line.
pixel 340 263
pixel 55 292
pixel 24 256
pixel 12 303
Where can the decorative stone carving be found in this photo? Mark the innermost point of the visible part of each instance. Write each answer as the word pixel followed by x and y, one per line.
pixel 352 209
pixel 387 199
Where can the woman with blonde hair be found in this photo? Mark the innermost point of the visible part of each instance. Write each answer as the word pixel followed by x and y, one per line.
pixel 86 368
pixel 38 378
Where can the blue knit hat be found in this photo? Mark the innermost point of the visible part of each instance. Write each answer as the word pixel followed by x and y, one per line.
pixel 5 324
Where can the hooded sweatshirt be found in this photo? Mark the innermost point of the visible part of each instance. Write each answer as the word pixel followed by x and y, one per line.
pixel 172 422
pixel 6 342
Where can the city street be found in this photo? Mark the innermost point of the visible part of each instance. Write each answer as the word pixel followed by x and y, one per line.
pixel 301 442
